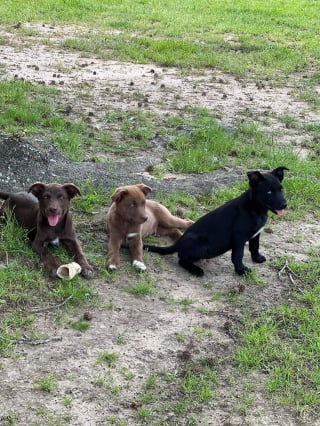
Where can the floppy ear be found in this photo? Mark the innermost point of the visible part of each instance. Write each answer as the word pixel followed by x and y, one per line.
pixel 71 190
pixel 37 189
pixel 255 178
pixel 144 188
pixel 119 194
pixel 278 172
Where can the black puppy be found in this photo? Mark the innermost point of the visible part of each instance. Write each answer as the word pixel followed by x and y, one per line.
pixel 230 226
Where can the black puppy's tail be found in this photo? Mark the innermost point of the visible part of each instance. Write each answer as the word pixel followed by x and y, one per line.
pixel 4 195
pixel 161 250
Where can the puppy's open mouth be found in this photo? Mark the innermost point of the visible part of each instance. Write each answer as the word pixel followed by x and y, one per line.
pixel 53 220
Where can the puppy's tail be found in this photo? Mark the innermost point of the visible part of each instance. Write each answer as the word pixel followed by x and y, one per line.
pixel 4 195
pixel 161 250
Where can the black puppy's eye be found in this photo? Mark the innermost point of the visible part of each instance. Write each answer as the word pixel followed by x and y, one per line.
pixel 269 192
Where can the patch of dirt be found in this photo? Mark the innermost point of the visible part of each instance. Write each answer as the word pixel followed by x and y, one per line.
pixel 149 325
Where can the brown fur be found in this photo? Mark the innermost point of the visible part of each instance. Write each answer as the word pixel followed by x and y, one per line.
pixel 32 210
pixel 131 217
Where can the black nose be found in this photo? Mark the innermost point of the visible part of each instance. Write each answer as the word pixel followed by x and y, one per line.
pixel 53 210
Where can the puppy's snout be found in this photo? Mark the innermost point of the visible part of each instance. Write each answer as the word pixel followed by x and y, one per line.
pixel 53 210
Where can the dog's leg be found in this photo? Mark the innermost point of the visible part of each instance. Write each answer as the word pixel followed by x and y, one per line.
pixel 254 250
pixel 192 249
pixel 136 247
pixel 47 260
pixel 113 252
pixel 173 233
pixel 237 257
pixel 167 221
pixel 74 247
pixel 192 268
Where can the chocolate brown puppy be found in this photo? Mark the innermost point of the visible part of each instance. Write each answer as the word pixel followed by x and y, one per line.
pixel 44 212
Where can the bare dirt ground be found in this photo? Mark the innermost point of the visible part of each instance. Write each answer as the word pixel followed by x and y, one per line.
pixel 143 330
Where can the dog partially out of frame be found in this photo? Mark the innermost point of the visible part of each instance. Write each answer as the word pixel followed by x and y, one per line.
pixel 231 225
pixel 131 217
pixel 44 212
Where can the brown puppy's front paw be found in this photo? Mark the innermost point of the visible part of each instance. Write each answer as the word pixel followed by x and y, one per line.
pixel 139 265
pixel 113 263
pixel 112 267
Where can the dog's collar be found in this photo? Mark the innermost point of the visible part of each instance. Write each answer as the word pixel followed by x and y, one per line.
pixel 258 232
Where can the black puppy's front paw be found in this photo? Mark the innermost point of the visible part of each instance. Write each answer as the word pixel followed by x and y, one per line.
pixel 258 258
pixel 243 271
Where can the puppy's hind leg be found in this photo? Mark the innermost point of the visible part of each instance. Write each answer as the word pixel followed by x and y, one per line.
pixel 192 249
pixel 173 233
pixel 191 267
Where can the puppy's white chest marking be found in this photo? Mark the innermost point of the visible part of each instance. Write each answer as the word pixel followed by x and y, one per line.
pixel 132 234
pixel 258 232
pixel 55 242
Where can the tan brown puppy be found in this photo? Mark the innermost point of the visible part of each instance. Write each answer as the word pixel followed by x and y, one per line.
pixel 131 217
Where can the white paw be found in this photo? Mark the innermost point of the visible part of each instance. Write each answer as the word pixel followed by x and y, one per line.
pixel 112 267
pixel 139 265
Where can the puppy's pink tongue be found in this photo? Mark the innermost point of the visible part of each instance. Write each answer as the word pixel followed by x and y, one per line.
pixel 280 212
pixel 53 220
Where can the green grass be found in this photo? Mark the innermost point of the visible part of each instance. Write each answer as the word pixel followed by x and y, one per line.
pixel 81 325
pixel 133 125
pixel 182 391
pixel 46 384
pixel 195 143
pixel 93 196
pixel 24 287
pixel 9 419
pixel 238 37
pixel 110 358
pixel 30 109
pixel 254 40
pixel 284 343
pixel 145 286
pixel 206 146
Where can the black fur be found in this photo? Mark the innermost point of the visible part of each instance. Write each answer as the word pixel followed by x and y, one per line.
pixel 230 226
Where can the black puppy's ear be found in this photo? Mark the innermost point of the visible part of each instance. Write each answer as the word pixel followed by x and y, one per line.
pixel 278 172
pixel 37 189
pixel 71 190
pixel 255 178
pixel 144 188
pixel 119 194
